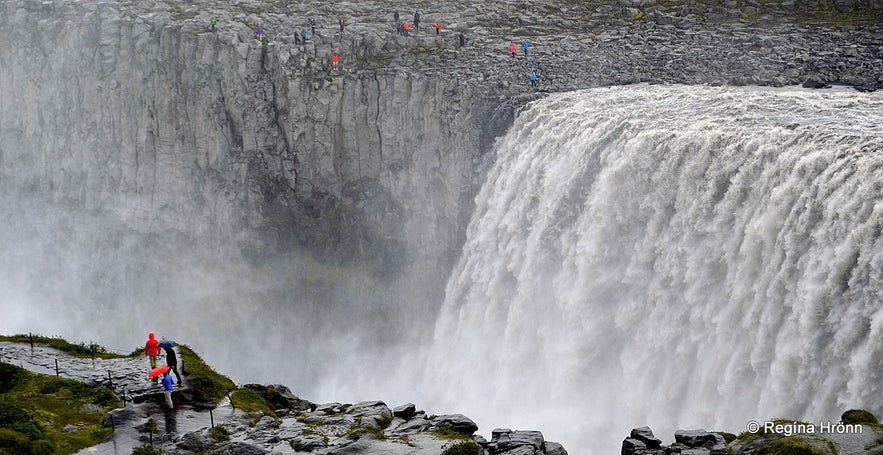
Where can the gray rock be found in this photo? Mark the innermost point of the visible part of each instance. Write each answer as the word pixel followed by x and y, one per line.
pixel 121 416
pixel 457 422
pixel 308 443
pixel 631 446
pixel 240 448
pixel 645 435
pixel 697 438
pixel 405 411
pixel 197 441
pixel 553 448
pixel 69 429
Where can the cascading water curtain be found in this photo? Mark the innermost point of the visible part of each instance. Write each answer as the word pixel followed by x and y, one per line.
pixel 678 257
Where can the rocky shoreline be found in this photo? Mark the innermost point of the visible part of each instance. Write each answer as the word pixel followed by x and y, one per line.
pixel 296 425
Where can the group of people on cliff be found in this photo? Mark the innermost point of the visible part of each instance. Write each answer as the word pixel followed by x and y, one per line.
pixel 402 27
pixel 153 349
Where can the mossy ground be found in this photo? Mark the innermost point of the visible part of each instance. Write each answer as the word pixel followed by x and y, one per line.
pixel 206 383
pixel 35 408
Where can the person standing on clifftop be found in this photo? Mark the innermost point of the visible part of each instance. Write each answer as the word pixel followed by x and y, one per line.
pixel 462 39
pixel 416 21
pixel 172 362
pixel 524 45
pixel 303 35
pixel 260 33
pixel 340 21
pixel 512 49
pixel 395 16
pixel 313 25
pixel 533 79
pixel 167 384
pixel 406 27
pixel 437 27
pixel 335 59
pixel 212 21
pixel 151 350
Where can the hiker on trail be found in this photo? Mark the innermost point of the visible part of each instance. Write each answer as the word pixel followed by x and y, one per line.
pixel 533 79
pixel 296 37
pixel 172 362
pixel 437 27
pixel 167 384
pixel 340 21
pixel 406 27
pixel 416 21
pixel 512 49
pixel 151 349
pixel 462 39
pixel 395 16
pixel 312 26
pixel 334 60
pixel 524 45
pixel 213 21
pixel 400 29
pixel 260 33
pixel 303 35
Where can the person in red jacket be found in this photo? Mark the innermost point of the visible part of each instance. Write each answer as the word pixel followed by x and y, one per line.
pixel 437 27
pixel 335 59
pixel 151 349
pixel 512 49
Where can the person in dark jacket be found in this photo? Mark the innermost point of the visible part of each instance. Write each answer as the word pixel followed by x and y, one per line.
pixel 416 21
pixel 172 362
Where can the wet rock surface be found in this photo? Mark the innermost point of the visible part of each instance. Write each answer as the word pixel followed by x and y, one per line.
pixel 368 427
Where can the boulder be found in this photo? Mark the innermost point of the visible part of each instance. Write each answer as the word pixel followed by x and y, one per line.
pixel 240 448
pixel 282 397
pixel 122 417
pixel 645 435
pixel 457 422
pixel 405 411
pixel 196 441
pixel 631 446
pixel 553 448
pixel 697 438
pixel 814 82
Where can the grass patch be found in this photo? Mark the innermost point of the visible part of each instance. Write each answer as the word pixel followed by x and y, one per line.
pixel 446 432
pixel 207 384
pixel 81 350
pixel 35 408
pixel 252 400
pixel 858 416
pixel 791 445
pixel 463 448
pixel 220 433
pixel 146 449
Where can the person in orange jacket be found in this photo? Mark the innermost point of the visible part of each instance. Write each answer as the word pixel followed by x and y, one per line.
pixel 512 49
pixel 437 27
pixel 151 350
pixel 334 60
pixel 407 27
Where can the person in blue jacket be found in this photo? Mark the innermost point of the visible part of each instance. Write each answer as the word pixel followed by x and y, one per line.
pixel 524 45
pixel 168 383
pixel 533 79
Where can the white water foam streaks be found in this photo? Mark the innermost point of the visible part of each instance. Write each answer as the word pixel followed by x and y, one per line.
pixel 671 256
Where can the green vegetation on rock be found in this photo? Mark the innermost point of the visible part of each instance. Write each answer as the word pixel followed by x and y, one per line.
pixel 81 350
pixel 252 400
pixel 791 445
pixel 464 448
pixel 220 433
pixel 207 384
pixel 858 416
pixel 146 449
pixel 35 410
pixel 446 432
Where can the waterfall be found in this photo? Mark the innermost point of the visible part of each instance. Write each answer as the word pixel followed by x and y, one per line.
pixel 678 257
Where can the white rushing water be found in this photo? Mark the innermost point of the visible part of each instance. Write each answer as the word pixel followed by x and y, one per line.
pixel 677 257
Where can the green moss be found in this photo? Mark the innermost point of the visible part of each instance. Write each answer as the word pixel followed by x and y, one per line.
pixel 146 449
pixel 81 350
pixel 728 437
pixel 30 401
pixel 464 448
pixel 791 445
pixel 384 421
pixel 207 384
pixel 446 432
pixel 251 401
pixel 220 433
pixel 858 416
